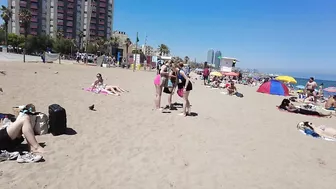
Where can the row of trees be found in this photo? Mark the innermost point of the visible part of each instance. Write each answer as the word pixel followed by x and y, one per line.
pixel 36 44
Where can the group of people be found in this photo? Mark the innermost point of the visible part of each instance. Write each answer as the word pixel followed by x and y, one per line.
pixel 171 76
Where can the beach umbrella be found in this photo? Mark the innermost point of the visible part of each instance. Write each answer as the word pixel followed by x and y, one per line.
pixel 330 89
pixel 274 87
pixel 231 73
pixel 285 78
pixel 218 74
pixel 300 87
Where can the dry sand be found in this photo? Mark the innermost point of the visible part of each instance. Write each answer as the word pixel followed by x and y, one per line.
pixel 232 143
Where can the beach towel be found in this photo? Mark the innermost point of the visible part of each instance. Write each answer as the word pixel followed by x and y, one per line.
pixel 97 91
pixel 321 132
pixel 280 109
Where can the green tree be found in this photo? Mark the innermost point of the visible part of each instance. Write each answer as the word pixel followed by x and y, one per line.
pixel 63 46
pixel 6 15
pixel 81 36
pixel 114 43
pixel 2 35
pixel 25 17
pixel 163 49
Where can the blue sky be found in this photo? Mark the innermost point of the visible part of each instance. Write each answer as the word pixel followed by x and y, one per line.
pixel 270 35
pixel 277 35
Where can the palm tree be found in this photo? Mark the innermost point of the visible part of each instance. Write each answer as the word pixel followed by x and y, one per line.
pixel 6 15
pixel 163 49
pixel 59 34
pixel 25 16
pixel 114 42
pixel 80 35
pixel 128 43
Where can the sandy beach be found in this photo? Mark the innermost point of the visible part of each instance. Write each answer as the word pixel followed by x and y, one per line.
pixel 232 142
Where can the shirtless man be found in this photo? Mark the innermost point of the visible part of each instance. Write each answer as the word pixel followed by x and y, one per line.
pixel 310 88
pixel 331 103
pixel 232 89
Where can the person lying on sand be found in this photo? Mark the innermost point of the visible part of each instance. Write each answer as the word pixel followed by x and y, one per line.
pixel 99 84
pixel 21 126
pixel 232 90
pixel 319 131
pixel 288 106
pixel 331 103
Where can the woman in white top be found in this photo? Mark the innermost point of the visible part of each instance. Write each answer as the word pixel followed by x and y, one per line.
pixel 99 85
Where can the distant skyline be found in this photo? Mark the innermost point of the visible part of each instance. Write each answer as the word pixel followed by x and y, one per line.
pixel 271 36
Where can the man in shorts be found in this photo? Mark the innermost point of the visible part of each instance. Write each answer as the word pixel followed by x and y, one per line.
pixel 310 88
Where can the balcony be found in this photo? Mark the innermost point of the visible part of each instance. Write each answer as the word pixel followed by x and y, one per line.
pixel 33 6
pixel 102 0
pixel 35 1
pixel 93 15
pixel 60 23
pixel 93 21
pixel 34 13
pixel 101 34
pixel 33 19
pixel 60 3
pixel 71 1
pixel 102 16
pixel 69 24
pixel 34 26
pixel 70 6
pixel 70 12
pixel 33 32
pixel 101 22
pixel 60 16
pixel 101 28
pixel 102 5
pixel 23 3
pixel 69 30
pixel 69 18
pixel 59 10
pixel 102 10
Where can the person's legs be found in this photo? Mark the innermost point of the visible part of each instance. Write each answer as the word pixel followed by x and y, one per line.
pixel 186 102
pixel 110 88
pixel 158 89
pixel 170 98
pixel 23 126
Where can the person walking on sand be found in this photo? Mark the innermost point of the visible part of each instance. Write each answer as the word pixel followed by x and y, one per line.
pixel 184 84
pixel 160 81
pixel 206 73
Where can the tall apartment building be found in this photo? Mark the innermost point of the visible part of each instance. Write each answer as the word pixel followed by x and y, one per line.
pixel 71 17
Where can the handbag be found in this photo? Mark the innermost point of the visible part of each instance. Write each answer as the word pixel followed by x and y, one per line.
pixel 167 90
pixel 180 92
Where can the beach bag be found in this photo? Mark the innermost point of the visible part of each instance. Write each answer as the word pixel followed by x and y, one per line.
pixel 180 92
pixel 57 120
pixel 239 95
pixel 41 126
pixel 167 90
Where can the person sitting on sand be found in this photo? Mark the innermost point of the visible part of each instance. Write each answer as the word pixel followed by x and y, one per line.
pixel 21 126
pixel 331 103
pixel 99 84
pixel 288 106
pixel 232 90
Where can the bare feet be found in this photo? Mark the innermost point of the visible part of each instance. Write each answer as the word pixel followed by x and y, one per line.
pixel 38 150
pixel 183 114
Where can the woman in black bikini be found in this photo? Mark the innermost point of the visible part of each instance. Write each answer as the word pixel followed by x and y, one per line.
pixel 184 84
